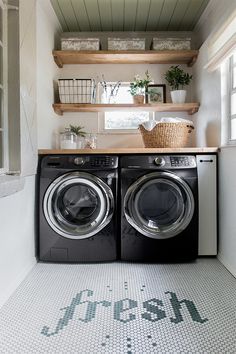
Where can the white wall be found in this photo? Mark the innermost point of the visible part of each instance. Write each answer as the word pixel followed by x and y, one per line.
pixel 17 248
pixel 47 32
pixel 208 92
pixel 17 228
pixel 209 127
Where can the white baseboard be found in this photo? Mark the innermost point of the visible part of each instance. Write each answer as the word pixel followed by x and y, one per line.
pixel 226 264
pixel 8 291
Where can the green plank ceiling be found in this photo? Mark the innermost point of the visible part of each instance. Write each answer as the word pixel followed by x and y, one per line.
pixel 128 15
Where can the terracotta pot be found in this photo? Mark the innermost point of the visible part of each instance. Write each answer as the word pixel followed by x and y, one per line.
pixel 138 99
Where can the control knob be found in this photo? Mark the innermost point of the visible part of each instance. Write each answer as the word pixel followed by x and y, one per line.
pixel 159 161
pixel 79 161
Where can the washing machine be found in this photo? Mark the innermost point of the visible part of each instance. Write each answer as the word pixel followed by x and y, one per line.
pixel 159 208
pixel 77 208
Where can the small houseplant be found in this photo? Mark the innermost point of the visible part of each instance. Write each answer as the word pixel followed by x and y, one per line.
pixel 138 87
pixel 78 130
pixel 177 79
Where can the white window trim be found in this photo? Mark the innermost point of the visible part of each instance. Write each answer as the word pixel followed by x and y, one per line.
pixel 10 183
pixel 230 93
pixel 4 129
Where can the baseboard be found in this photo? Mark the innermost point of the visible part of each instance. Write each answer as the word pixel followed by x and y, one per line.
pixel 226 264
pixel 5 295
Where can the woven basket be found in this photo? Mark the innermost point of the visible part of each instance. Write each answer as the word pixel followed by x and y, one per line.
pixel 166 135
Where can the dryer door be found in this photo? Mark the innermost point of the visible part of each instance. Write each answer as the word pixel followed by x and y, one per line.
pixel 159 205
pixel 78 205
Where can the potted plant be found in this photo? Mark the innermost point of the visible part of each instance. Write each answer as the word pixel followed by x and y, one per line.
pixel 78 130
pixel 177 79
pixel 138 87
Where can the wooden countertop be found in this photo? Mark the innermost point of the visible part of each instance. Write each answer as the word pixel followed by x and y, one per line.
pixel 118 151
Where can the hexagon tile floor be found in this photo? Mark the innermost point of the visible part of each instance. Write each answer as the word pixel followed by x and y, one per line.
pixel 122 308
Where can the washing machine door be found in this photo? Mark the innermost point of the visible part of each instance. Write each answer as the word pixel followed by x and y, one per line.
pixel 78 205
pixel 159 205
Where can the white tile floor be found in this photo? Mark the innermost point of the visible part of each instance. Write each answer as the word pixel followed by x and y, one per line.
pixel 122 308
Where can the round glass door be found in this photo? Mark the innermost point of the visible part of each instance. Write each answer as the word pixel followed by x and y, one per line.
pixel 159 205
pixel 78 205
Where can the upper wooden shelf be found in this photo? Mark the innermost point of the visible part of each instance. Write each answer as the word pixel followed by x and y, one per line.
pixel 63 57
pixel 190 108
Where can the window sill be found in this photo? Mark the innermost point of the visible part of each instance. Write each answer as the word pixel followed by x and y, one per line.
pixel 10 185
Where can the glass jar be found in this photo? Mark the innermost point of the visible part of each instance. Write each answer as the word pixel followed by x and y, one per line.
pixel 91 141
pixel 68 139
pixel 80 142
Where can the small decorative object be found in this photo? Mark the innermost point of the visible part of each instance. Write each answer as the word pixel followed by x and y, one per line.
pixel 91 141
pixel 77 129
pixel 77 90
pixel 171 43
pixel 126 43
pixel 139 86
pixel 156 93
pixel 75 43
pixel 177 78
pixel 110 91
pixel 68 139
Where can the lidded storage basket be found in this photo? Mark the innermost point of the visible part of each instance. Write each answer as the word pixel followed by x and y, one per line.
pixel 77 90
pixel 166 135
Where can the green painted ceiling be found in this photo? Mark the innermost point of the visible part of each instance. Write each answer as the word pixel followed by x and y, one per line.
pixel 128 15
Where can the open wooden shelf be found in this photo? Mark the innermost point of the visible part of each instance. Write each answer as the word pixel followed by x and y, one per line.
pixel 190 108
pixel 63 57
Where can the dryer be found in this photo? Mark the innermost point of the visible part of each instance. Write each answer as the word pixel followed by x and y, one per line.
pixel 159 208
pixel 77 208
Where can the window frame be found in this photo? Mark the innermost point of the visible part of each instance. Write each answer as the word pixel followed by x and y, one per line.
pixel 101 116
pixel 4 89
pixel 231 91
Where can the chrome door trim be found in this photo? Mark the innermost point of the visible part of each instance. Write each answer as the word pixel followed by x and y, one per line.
pixel 105 196
pixel 176 227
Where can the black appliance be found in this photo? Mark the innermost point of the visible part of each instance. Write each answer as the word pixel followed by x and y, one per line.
pixel 159 208
pixel 77 208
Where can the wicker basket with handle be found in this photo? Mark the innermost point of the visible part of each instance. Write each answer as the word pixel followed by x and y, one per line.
pixel 166 135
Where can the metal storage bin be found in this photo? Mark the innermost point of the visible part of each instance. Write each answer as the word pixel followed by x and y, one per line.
pixel 126 43
pixel 171 44
pixel 77 90
pixel 80 43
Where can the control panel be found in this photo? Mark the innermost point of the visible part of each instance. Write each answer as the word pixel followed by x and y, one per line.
pixel 102 161
pixel 158 162
pixel 80 162
pixel 183 161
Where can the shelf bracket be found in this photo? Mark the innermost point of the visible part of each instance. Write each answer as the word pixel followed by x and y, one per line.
pixel 57 110
pixel 192 61
pixel 58 60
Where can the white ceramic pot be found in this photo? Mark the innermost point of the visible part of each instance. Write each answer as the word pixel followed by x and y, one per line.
pixel 178 96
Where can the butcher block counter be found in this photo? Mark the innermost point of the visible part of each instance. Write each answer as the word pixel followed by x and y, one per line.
pixel 121 151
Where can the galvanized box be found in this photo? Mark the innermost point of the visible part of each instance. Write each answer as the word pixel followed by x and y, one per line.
pixel 171 44
pixel 126 43
pixel 80 44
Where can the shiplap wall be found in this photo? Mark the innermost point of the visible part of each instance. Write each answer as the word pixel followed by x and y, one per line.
pixel 128 15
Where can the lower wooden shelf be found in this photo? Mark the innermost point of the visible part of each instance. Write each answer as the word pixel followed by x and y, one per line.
pixel 61 108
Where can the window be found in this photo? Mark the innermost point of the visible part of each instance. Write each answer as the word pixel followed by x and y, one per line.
pixel 3 89
pixel 121 121
pixel 232 97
